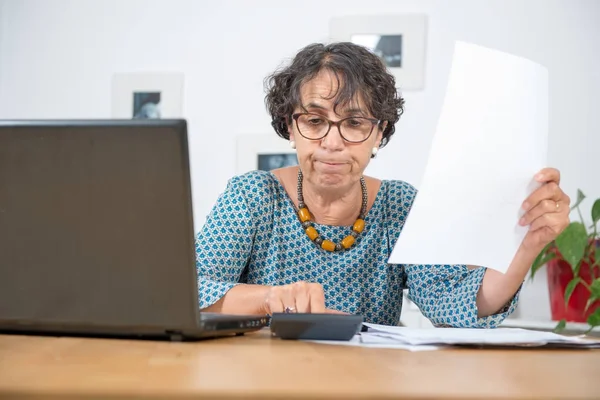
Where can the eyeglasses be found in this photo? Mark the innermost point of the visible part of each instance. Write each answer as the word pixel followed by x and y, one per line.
pixel 352 129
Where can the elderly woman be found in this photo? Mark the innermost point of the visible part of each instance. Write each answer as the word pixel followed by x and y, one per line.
pixel 317 237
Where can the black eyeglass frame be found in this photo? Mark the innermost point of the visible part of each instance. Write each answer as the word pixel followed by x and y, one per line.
pixel 337 124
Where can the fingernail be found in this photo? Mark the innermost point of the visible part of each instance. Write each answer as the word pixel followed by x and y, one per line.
pixel 526 206
pixel 522 221
pixel 539 177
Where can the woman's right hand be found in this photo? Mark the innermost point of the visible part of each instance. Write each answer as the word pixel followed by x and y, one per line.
pixel 300 297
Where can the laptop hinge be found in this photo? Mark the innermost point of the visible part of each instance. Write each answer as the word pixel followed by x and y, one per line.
pixel 175 336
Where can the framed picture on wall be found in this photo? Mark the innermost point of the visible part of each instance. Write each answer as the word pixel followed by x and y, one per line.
pixel 264 152
pixel 147 95
pixel 399 40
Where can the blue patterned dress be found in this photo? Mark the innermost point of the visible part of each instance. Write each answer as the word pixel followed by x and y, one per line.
pixel 253 235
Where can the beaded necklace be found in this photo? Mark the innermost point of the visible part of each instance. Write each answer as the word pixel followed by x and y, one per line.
pixel 305 219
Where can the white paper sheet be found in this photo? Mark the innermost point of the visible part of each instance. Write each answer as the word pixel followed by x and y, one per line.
pixel 465 336
pixel 490 141
pixel 426 339
pixel 376 342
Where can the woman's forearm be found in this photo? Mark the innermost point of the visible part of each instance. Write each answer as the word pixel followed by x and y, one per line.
pixel 498 288
pixel 242 299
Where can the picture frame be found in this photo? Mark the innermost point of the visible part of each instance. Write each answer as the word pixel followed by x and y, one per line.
pixel 263 151
pixel 400 40
pixel 147 95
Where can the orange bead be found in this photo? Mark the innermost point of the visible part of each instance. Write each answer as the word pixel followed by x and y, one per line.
pixel 312 233
pixel 328 245
pixel 348 242
pixel 359 225
pixel 303 214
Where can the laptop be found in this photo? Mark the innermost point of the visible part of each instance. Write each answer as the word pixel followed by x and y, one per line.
pixel 97 233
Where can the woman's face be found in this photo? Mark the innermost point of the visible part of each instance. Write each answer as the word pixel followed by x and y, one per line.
pixel 331 162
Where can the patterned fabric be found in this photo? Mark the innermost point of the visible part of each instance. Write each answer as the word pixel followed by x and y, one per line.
pixel 253 235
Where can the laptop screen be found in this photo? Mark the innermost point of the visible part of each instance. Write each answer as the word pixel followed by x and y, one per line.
pixel 96 223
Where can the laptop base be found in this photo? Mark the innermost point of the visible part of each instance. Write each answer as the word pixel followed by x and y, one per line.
pixel 211 326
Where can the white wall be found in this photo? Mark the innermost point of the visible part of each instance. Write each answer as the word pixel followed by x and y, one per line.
pixel 2 26
pixel 57 59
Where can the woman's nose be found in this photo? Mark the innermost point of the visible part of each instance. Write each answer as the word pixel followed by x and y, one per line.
pixel 333 140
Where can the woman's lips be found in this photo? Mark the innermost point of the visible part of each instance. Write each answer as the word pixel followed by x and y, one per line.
pixel 332 162
pixel 332 165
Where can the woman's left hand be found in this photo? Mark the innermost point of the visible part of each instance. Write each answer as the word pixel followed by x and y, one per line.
pixel 546 211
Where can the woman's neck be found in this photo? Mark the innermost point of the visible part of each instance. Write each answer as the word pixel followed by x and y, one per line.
pixel 335 207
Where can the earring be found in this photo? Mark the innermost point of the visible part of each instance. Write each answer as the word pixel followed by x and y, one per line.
pixel 374 151
pixel 292 144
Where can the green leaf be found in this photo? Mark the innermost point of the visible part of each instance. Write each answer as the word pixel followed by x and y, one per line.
pixel 594 294
pixel 541 259
pixel 560 326
pixel 540 263
pixel 570 288
pixel 596 211
pixel 591 300
pixel 580 197
pixel 572 242
pixel 576 270
pixel 595 288
pixel 594 319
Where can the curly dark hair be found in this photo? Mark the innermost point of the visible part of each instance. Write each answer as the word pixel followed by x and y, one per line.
pixel 357 71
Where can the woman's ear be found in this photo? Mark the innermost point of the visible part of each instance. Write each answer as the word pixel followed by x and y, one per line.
pixel 383 126
pixel 290 129
pixel 380 133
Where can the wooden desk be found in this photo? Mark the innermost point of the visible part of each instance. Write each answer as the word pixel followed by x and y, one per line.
pixel 257 366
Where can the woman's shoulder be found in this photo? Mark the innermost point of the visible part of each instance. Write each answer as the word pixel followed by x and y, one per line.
pixel 399 190
pixel 254 184
pixel 398 197
pixel 251 179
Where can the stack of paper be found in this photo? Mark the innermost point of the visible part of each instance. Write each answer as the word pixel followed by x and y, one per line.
pixel 473 337
pixel 418 339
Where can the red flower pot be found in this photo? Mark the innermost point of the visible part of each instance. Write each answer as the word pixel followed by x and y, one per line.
pixel 559 276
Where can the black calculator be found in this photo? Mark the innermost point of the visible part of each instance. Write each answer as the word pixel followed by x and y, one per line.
pixel 309 326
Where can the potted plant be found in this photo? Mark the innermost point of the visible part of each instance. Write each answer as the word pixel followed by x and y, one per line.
pixel 573 266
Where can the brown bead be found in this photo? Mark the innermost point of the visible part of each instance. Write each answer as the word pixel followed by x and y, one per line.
pixel 312 233
pixel 328 245
pixel 359 225
pixel 303 214
pixel 348 242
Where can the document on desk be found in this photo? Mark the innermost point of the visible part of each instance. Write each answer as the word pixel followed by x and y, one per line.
pixel 490 141
pixel 372 340
pixel 478 337
pixel 419 339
